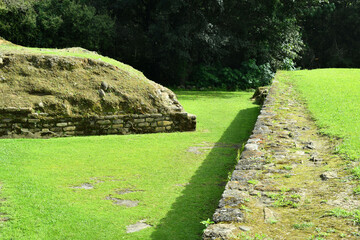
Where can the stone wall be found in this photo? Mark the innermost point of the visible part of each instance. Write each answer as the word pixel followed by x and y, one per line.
pixel 229 217
pixel 24 122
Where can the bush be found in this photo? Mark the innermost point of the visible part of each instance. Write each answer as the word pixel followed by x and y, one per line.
pixel 250 75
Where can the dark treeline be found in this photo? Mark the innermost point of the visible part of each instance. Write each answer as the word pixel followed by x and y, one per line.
pixel 232 44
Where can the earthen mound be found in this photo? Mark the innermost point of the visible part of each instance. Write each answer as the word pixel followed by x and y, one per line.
pixel 77 82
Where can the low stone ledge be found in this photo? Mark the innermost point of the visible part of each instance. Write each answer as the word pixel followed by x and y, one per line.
pixel 229 212
pixel 15 119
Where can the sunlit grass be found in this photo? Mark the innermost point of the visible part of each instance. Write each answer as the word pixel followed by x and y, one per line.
pixel 176 188
pixel 333 98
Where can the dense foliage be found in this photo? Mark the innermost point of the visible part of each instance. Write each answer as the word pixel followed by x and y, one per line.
pixel 233 44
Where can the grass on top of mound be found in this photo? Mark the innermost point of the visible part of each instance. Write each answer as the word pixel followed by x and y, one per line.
pixel 333 98
pixel 176 179
pixel 8 47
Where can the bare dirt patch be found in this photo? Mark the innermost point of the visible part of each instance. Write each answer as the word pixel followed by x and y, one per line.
pixel 122 202
pixel 137 227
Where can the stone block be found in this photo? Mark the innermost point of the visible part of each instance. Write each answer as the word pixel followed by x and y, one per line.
pixel 220 231
pixel 6 120
pixel 164 123
pixel 139 120
pixel 62 124
pixel 117 121
pixel 144 124
pixel 113 131
pixel 104 122
pixel 71 128
pixel 149 119
pixel 33 120
pixel 168 128
pixel 116 126
pixel 228 215
pixel 159 129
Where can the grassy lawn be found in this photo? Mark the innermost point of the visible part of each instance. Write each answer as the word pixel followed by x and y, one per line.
pixel 177 178
pixel 333 98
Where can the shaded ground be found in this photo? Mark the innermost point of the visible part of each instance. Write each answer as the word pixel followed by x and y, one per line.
pixel 289 184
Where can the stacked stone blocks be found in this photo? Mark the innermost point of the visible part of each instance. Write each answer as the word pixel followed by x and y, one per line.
pixel 24 122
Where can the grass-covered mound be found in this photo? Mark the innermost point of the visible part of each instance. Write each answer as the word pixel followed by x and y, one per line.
pixel 333 99
pixel 75 81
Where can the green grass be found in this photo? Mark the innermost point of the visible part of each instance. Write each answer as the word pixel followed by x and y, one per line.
pixel 333 98
pixel 302 226
pixel 177 189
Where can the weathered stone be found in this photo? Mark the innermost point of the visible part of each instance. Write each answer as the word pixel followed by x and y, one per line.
pixel 122 202
pixel 102 94
pixel 219 231
pixel 139 120
pixel 159 129
pixel 164 123
pixel 228 215
pixel 71 128
pixel 6 120
pixel 62 124
pixel 328 175
pixel 244 228
pixel 137 227
pixel 144 124
pixel 104 86
pixel 232 198
pixel 84 186
pixel 268 214
pixel 104 122
pixel 118 126
pixel 251 147
pixel 117 121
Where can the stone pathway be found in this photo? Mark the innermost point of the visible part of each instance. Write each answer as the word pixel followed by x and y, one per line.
pixel 288 180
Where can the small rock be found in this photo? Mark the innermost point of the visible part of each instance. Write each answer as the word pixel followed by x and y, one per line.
pixel 121 202
pixel 268 214
pixel 137 227
pixel 251 147
pixel 101 93
pixel 228 215
pixel 41 104
pixel 2 79
pixel 104 85
pixel 315 158
pixel 84 186
pixel 219 231
pixel 245 228
pixel 328 175
pixel 309 145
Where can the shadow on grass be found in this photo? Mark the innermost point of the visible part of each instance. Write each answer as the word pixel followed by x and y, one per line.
pixel 201 195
